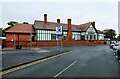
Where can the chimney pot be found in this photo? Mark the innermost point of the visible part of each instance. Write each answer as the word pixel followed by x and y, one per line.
pixel 69 20
pixel 94 23
pixel 58 21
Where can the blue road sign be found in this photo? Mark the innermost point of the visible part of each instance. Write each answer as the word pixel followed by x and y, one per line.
pixel 59 30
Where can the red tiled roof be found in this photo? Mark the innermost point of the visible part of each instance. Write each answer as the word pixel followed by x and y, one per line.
pixel 27 28
pixel 52 25
pixel 21 28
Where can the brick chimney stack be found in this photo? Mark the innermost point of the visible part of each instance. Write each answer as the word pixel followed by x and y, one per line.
pixel 69 24
pixel 58 21
pixel 69 30
pixel 45 18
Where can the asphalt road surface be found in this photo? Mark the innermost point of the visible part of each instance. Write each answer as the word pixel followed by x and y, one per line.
pixel 11 58
pixel 82 61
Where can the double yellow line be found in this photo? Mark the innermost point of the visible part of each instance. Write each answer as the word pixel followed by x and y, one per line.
pixel 30 64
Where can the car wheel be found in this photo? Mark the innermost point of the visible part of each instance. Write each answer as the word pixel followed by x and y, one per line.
pixel 114 53
pixel 119 61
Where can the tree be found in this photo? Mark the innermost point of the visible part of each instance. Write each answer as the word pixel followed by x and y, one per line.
pixel 11 24
pixel 0 32
pixel 25 23
pixel 109 33
pixel 118 38
pixel 3 33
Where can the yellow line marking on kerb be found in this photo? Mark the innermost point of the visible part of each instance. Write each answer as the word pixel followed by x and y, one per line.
pixel 30 64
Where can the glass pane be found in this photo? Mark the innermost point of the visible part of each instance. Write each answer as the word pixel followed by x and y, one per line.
pixel 40 36
pixel 40 31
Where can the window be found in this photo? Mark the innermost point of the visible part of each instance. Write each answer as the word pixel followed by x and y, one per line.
pixel 53 36
pixel 82 37
pixel 76 35
pixel 47 35
pixel 91 37
pixel 87 37
pixel 92 33
pixel 64 35
pixel 94 37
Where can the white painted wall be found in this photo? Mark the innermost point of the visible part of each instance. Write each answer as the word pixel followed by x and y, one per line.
pixel 100 36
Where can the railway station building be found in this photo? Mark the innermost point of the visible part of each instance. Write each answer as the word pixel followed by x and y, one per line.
pixel 43 33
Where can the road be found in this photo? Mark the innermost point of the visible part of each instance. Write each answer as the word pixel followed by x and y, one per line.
pixel 82 61
pixel 14 57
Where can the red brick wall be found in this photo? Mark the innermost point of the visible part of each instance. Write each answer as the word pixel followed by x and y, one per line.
pixel 68 43
pixel 9 44
pixel 54 43
pixel 12 44
pixel 24 39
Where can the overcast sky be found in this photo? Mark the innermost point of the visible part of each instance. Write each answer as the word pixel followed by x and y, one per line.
pixel 104 13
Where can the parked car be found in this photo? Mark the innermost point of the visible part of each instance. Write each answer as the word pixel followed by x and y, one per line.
pixel 112 44
pixel 115 46
pixel 118 53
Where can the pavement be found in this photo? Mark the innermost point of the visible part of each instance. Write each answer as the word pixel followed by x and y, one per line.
pixel 11 56
pixel 83 61
pixel 23 48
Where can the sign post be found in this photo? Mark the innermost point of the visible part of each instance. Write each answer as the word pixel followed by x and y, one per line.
pixel 59 33
pixel 61 43
pixel 14 40
pixel 31 40
pixel 57 42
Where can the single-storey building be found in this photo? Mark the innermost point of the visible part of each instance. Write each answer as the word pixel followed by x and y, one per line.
pixel 19 35
pixel 43 33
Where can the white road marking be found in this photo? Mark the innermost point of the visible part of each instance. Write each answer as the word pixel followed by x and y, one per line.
pixel 65 69
pixel 42 51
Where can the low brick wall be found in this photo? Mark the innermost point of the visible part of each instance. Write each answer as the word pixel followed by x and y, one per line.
pixel 69 43
pixel 54 43
pixel 12 44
